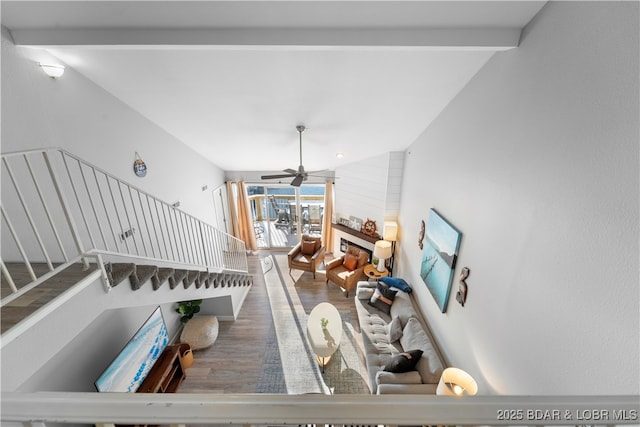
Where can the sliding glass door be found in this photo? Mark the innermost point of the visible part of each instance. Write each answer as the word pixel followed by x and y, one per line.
pixel 282 213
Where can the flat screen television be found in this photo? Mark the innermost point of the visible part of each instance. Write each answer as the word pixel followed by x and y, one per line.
pixel 131 366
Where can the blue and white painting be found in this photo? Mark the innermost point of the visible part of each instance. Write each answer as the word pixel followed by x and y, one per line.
pixel 132 364
pixel 439 258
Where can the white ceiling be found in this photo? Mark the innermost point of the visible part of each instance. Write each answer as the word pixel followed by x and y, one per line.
pixel 232 79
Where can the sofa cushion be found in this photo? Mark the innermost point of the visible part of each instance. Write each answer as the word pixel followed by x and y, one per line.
pixel 308 247
pixel 404 362
pixel 395 329
pixel 382 298
pixel 429 365
pixel 403 307
pixel 350 262
pixel 386 377
pixel 398 283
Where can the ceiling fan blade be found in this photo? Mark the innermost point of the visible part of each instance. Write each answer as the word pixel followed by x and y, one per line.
pixel 291 171
pixel 289 175
pixel 297 181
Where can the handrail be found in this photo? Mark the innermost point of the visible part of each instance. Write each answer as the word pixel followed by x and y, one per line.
pixel 269 409
pixel 59 207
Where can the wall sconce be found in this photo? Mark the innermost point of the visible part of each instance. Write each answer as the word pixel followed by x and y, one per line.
pixel 52 70
pixel 456 382
pixel 382 250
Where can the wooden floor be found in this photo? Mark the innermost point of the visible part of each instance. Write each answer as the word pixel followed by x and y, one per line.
pixel 233 364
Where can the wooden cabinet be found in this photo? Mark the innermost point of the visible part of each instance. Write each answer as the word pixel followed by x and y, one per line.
pixel 166 374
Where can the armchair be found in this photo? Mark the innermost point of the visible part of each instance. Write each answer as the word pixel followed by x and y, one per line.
pixel 346 274
pixel 306 255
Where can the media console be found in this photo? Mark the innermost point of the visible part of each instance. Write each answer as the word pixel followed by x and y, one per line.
pixel 166 374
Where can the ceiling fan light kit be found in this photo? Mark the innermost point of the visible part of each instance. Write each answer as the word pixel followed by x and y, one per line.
pixel 299 175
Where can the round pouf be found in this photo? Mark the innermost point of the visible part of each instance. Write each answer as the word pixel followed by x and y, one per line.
pixel 200 332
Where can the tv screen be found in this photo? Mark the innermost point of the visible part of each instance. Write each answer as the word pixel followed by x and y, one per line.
pixel 132 364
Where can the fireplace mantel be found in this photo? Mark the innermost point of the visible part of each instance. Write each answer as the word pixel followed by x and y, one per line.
pixel 371 239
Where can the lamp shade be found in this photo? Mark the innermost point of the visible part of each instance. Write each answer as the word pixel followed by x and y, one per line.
pixel 456 382
pixel 382 249
pixel 390 232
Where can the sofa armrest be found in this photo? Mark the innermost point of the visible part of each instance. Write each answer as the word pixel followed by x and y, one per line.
pixel 319 253
pixel 366 284
pixel 411 377
pixel 294 251
pixel 334 263
pixel 407 388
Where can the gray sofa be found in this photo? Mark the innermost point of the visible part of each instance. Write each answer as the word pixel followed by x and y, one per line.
pixel 375 327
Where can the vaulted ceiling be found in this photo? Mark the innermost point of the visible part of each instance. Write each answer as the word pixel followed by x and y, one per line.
pixel 232 79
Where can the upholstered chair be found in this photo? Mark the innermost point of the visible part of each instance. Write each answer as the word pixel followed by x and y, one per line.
pixel 307 255
pixel 348 270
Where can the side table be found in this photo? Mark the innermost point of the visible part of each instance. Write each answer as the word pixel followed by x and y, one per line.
pixel 372 272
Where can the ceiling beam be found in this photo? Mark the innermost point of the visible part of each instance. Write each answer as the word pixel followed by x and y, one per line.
pixel 428 38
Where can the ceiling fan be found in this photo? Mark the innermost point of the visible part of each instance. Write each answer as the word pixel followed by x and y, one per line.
pixel 297 175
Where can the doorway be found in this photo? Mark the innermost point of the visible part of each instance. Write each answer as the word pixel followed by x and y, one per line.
pixel 282 213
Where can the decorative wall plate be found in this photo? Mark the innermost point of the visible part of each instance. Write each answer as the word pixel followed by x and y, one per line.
pixel 139 167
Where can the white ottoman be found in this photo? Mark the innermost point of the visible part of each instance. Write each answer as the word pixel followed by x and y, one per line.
pixel 200 332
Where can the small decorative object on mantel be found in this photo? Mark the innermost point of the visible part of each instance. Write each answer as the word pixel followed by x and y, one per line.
pixel 355 223
pixel 344 221
pixel 421 235
pixel 139 167
pixel 461 295
pixel 369 227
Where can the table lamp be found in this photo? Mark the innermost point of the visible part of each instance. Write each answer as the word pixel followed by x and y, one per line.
pixel 456 382
pixel 382 250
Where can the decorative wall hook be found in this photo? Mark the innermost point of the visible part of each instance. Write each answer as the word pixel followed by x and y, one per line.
pixel 461 295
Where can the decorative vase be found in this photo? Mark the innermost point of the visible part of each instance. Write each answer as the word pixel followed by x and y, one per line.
pixel 186 356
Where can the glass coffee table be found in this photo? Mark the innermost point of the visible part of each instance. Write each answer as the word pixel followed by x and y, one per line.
pixel 324 339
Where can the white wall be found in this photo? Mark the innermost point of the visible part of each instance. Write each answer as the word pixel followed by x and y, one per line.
pixel 370 189
pixel 536 163
pixel 74 113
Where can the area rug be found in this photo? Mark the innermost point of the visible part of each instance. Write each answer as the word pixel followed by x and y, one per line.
pixel 289 345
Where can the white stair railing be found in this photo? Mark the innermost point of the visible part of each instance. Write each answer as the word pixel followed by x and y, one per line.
pixel 58 209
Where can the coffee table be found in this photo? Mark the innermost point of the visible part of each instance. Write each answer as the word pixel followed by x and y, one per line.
pixel 325 340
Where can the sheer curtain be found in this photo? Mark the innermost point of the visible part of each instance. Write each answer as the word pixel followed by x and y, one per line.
pixel 240 213
pixel 327 229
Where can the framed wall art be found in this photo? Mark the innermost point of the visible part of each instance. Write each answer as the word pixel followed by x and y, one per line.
pixel 439 258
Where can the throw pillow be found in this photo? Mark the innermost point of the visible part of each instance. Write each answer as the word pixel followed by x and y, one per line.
pixel 397 283
pixel 395 330
pixel 308 247
pixel 350 262
pixel 364 293
pixel 382 298
pixel 404 362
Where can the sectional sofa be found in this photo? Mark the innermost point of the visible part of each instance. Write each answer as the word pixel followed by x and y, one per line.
pixel 388 337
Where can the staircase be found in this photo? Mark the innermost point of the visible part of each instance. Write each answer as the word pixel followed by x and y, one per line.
pixel 60 212
pixel 140 274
